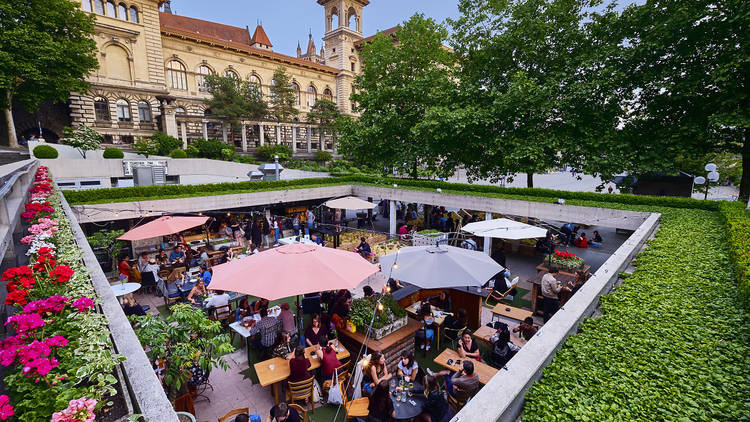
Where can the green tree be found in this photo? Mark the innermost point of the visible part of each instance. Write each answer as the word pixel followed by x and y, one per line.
pixel 324 113
pixel 46 50
pixel 106 240
pixel 165 144
pixel 146 147
pixel 233 99
pixel 399 83
pixel 82 138
pixel 283 96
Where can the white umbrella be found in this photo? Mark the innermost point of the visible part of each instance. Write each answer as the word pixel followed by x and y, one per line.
pixel 436 267
pixel 503 228
pixel 350 203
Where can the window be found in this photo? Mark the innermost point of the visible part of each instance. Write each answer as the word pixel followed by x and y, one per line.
pixel 133 14
pixel 254 79
pixel 295 87
pixel 207 112
pixel 231 74
pixel 101 109
pixel 86 5
pixel 176 75
pixel 99 6
pixel 312 96
pixel 180 111
pixel 328 94
pixel 200 77
pixel 111 10
pixel 122 11
pixel 123 110
pixel 144 111
pixel 353 105
pixel 352 66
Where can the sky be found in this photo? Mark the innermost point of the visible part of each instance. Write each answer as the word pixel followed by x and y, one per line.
pixel 288 21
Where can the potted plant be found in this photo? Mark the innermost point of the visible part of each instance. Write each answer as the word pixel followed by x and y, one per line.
pixel 566 260
pixel 389 319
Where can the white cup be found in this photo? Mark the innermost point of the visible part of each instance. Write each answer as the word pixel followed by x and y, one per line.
pixel 271 367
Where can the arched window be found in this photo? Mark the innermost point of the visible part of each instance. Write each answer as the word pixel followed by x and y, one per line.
pixel 334 18
pixel 123 110
pixel 353 105
pixel 101 109
pixel 200 77
pixel 312 96
pixel 111 10
pixel 180 111
pixel 133 14
pixel 177 75
pixel 231 74
pixel 254 79
pixel 295 87
pixel 144 111
pixel 351 19
pixel 207 112
pixel 122 11
pixel 99 6
pixel 328 94
pixel 86 4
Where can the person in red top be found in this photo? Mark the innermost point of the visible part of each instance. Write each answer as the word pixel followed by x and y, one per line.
pixel 298 366
pixel 329 361
pixel 582 241
pixel 124 268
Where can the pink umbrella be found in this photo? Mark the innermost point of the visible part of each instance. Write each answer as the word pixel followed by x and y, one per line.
pixel 292 270
pixel 163 226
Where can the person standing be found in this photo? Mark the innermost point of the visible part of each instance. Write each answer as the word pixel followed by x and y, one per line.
pixel 276 231
pixel 550 289
pixel 295 224
pixel 266 230
pixel 310 220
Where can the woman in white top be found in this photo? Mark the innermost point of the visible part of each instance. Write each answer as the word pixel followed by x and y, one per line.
pixel 407 366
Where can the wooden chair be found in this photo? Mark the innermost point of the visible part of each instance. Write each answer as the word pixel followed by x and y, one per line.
pixel 302 412
pixel 223 314
pixel 163 274
pixel 302 390
pixel 343 373
pixel 233 414
pixel 357 408
pixel 497 295
pixel 455 404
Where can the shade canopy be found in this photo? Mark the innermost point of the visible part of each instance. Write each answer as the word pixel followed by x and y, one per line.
pixel 163 226
pixel 292 270
pixel 503 228
pixel 436 267
pixel 350 203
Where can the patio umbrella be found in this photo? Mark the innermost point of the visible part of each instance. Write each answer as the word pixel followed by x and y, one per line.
pixel 504 228
pixel 437 267
pixel 292 270
pixel 163 226
pixel 350 203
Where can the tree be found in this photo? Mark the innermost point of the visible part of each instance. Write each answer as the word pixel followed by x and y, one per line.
pixel 46 49
pixel 233 99
pixel 146 147
pixel 324 113
pixel 399 83
pixel 106 240
pixel 165 144
pixel 283 96
pixel 82 138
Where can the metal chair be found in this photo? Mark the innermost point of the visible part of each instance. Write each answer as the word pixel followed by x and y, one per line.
pixel 302 390
pixel 148 281
pixel 232 414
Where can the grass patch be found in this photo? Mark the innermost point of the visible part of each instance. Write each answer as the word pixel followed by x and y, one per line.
pixel 517 302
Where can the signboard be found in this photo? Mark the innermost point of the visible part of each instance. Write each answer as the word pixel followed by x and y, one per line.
pixel 128 165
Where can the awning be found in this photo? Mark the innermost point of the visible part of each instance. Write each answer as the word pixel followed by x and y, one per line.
pixel 350 203
pixel 504 228
pixel 163 226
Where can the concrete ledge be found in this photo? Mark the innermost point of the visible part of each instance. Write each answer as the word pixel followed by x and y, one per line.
pixel 16 180
pixel 150 399
pixel 502 398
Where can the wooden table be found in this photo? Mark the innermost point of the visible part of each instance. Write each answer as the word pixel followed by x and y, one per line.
pixel 562 276
pixel 484 371
pixel 485 333
pixel 280 371
pixel 390 346
pixel 508 311
pixel 439 320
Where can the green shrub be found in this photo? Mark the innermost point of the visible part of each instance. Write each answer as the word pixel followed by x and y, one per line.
pixel 245 159
pixel 45 151
pixel 209 148
pixel 113 153
pixel 165 143
pixel 227 154
pixel 323 156
pixel 192 151
pixel 178 153
pixel 266 153
pixel 737 224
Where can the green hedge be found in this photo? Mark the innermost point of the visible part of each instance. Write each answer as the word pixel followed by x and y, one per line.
pixel 45 151
pixel 178 153
pixel 737 223
pixel 672 343
pixel 113 153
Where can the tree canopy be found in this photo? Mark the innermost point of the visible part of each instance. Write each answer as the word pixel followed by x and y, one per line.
pixel 82 138
pixel 233 99
pixel 283 96
pixel 324 113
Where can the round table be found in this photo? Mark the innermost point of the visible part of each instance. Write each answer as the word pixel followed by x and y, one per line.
pixel 125 288
pixel 407 410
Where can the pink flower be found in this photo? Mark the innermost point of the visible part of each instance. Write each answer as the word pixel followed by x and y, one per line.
pixel 79 410
pixel 6 410
pixel 83 304
pixel 56 341
pixel 26 322
pixel 52 304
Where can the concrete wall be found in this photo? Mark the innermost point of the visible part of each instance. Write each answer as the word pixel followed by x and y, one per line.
pixel 68 152
pixel 17 178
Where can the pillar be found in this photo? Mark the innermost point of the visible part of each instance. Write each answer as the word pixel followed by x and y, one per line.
pixel 205 129
pixel 309 140
pixel 392 217
pixel 169 122
pixel 262 133
pixel 244 138
pixel 488 240
pixel 294 139
pixel 183 134
pixel 278 134
pixel 224 133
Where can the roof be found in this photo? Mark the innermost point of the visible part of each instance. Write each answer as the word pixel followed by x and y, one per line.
pixel 310 47
pixel 389 31
pixel 208 29
pixel 362 2
pixel 260 37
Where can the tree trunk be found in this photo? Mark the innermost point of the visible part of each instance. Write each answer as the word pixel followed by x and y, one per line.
pixel 321 139
pixel 745 181
pixel 414 172
pixel 12 138
pixel 530 180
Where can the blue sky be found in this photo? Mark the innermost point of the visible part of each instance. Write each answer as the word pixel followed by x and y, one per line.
pixel 289 21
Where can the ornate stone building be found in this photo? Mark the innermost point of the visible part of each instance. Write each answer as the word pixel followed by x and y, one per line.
pixel 153 64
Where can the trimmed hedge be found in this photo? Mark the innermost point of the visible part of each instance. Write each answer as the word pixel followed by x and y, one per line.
pixel 113 153
pixel 737 224
pixel 45 151
pixel 178 153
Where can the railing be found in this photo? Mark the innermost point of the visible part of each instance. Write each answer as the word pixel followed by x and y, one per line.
pixel 15 181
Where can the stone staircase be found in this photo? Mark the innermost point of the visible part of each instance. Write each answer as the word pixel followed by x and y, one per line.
pixel 11 155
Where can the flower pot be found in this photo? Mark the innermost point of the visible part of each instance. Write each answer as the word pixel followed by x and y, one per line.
pixel 378 333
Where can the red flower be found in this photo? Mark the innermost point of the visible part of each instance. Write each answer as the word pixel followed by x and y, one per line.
pixel 61 274
pixel 17 297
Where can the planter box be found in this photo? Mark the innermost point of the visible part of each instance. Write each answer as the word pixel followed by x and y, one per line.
pixel 379 333
pixel 422 240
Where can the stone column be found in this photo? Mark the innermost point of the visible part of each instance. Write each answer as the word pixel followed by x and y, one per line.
pixel 244 138
pixel 169 122
pixel 278 134
pixel 224 132
pixel 488 240
pixel 294 139
pixel 183 130
pixel 261 133
pixel 205 129
pixel 309 140
pixel 392 217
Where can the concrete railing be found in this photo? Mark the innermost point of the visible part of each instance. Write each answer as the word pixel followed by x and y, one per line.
pixel 15 181
pixel 502 398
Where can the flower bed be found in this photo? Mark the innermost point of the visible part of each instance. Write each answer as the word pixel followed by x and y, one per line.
pixel 566 261
pixel 60 356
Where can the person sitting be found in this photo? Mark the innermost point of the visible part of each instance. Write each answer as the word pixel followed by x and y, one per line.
pixel 219 299
pixel 377 373
pixel 174 282
pixel 203 257
pixel 177 254
pixel 363 248
pixel 467 347
pixel 380 408
pixel 315 333
pixel 368 291
pixel 582 241
pixel 258 305
pixel 342 307
pixel 407 366
pixel 441 301
pixel 424 336
pixel 162 258
pixel 393 285
pixel 567 230
pixel 131 307
pixel 268 326
pixel 454 325
pixel 282 347
pixel 287 319
pixel 329 360
pixel 502 349
pixel 463 384
pixel 243 310
pixel 317 239
pixel 205 275
pixel 242 417
pixel 282 412
pixel 197 291
pixel 299 365
pixel 124 269
pixel 596 241
pixel 435 406
pixel 142 262
pixel 526 329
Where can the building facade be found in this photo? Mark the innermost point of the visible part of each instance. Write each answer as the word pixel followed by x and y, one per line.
pixel 153 63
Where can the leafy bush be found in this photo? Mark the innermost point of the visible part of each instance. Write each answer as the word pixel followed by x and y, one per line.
pixel 178 153
pixel 208 148
pixel 165 143
pixel 266 152
pixel 737 224
pixel 227 154
pixel 323 156
pixel 145 147
pixel 113 153
pixel 245 159
pixel 192 151
pixel 305 165
pixel 45 151
pixel 363 308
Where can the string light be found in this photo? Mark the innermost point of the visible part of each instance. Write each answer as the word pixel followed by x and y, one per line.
pixel 380 307
pixel 395 266
pixel 364 362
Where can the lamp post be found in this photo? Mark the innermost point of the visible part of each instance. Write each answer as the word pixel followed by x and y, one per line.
pixel 711 176
pixel 276 165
